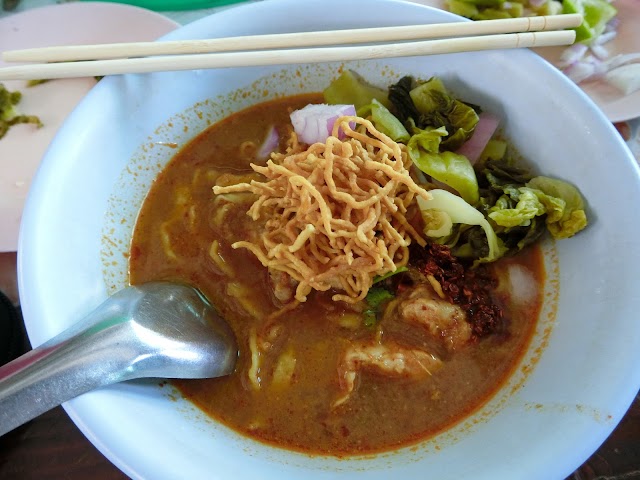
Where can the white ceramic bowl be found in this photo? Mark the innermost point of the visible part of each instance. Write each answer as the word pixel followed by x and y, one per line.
pixel 570 391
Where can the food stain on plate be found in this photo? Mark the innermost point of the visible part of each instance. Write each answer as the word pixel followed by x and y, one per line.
pixel 66 24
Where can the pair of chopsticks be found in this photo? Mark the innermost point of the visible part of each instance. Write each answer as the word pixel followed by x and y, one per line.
pixel 290 48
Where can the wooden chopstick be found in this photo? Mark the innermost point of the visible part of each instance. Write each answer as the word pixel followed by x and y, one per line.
pixel 285 57
pixel 290 40
pixel 111 59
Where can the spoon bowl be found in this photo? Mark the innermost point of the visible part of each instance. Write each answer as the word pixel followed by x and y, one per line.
pixel 158 329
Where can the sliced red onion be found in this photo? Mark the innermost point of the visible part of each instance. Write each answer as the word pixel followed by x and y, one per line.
pixel 314 123
pixel 607 36
pixel 625 78
pixel 600 52
pixel 485 128
pixel 622 59
pixel 613 23
pixel 579 66
pixel 572 54
pixel 269 144
pixel 580 71
pixel 599 66
pixel 537 3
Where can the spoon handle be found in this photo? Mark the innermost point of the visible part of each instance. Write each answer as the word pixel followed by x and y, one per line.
pixel 63 368
pixel 158 329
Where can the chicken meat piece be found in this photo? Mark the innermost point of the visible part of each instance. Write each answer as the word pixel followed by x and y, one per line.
pixel 443 320
pixel 283 285
pixel 387 359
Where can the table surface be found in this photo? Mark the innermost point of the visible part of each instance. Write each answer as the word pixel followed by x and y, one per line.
pixel 52 447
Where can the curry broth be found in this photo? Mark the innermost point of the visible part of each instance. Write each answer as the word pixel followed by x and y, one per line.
pixel 172 241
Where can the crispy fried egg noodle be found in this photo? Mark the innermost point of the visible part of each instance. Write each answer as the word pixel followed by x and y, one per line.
pixel 335 213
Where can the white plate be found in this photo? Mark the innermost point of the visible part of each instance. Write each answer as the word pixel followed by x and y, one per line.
pixel 616 106
pixel 553 413
pixel 65 24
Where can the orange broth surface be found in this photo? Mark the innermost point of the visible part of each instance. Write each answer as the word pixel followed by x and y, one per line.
pixel 173 237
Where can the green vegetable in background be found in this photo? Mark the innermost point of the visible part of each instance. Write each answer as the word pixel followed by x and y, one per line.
pixel 462 8
pixel 486 9
pixel 447 167
pixel 35 83
pixel 351 89
pixel 485 3
pixel 8 115
pixel 596 14
pixel 385 121
pixel 493 9
pixel 8 101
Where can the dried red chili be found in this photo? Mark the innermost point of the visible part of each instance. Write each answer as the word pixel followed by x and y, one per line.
pixel 469 288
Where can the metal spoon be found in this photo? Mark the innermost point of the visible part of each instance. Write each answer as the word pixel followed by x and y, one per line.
pixel 157 329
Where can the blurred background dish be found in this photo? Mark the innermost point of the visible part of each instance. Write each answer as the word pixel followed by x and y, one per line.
pixel 70 23
pixel 617 106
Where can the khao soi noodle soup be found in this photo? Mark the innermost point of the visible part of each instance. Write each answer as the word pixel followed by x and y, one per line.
pixel 375 252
